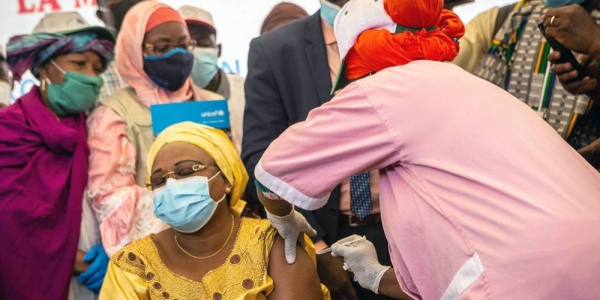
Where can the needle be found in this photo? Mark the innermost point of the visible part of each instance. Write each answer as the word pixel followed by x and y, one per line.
pixel 348 243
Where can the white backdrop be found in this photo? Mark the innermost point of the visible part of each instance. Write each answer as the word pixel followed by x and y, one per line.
pixel 237 21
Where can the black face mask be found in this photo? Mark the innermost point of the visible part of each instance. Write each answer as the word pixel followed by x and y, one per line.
pixel 171 70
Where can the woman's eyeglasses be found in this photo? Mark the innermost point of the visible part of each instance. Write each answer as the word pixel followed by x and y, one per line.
pixel 180 172
pixel 163 48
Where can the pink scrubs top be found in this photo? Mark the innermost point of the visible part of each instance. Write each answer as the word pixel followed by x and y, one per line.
pixel 480 198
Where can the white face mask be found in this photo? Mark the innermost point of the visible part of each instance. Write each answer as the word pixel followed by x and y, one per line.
pixel 5 92
pixel 205 66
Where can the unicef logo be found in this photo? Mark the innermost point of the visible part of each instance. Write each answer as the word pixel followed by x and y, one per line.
pixel 221 113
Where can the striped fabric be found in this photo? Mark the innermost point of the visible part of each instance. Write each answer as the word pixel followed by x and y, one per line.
pixel 113 82
pixel 518 62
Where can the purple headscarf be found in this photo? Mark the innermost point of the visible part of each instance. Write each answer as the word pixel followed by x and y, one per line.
pixel 31 51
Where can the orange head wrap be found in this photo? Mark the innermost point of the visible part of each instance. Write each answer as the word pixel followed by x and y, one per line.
pixel 164 15
pixel 425 31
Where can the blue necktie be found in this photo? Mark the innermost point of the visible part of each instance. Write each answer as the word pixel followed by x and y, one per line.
pixel 361 203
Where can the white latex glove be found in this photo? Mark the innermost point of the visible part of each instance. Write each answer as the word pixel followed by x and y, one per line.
pixel 360 258
pixel 290 227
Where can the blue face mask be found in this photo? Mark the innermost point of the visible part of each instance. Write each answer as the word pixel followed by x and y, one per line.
pixel 329 11
pixel 185 204
pixel 171 70
pixel 559 3
pixel 205 66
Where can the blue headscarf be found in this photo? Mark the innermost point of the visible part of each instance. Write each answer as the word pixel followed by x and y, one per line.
pixel 31 51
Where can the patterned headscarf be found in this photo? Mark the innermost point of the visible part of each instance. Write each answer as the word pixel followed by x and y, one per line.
pixel 31 51
pixel 216 143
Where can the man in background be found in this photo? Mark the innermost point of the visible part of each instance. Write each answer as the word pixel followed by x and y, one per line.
pixel 479 34
pixel 206 72
pixel 517 61
pixel 290 72
pixel 576 29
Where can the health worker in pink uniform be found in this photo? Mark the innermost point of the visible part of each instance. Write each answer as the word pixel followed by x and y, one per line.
pixel 480 198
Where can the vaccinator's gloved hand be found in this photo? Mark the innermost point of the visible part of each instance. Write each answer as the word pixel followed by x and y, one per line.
pixel 360 258
pixel 290 227
pixel 93 277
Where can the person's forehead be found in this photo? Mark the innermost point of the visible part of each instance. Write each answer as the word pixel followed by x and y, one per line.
pixel 84 54
pixel 169 31
pixel 180 148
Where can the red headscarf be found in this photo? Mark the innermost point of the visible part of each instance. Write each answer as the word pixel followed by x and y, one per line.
pixel 163 15
pixel 376 50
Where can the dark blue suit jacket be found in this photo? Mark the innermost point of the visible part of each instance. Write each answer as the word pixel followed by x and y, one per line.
pixel 288 76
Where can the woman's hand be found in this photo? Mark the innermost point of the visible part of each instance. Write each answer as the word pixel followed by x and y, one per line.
pixel 93 277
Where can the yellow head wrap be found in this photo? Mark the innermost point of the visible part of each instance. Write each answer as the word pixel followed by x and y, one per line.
pixel 216 143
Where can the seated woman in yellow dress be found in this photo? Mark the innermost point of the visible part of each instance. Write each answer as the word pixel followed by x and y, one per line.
pixel 209 252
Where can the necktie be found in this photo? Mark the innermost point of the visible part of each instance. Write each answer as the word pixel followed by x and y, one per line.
pixel 361 203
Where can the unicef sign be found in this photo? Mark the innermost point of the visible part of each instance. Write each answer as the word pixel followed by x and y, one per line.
pixel 213 113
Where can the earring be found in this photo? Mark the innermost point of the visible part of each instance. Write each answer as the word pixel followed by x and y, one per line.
pixel 227 190
pixel 43 84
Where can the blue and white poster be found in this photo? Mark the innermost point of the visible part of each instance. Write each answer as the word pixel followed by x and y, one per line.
pixel 213 113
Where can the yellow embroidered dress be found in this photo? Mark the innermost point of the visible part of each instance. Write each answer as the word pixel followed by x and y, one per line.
pixel 137 272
